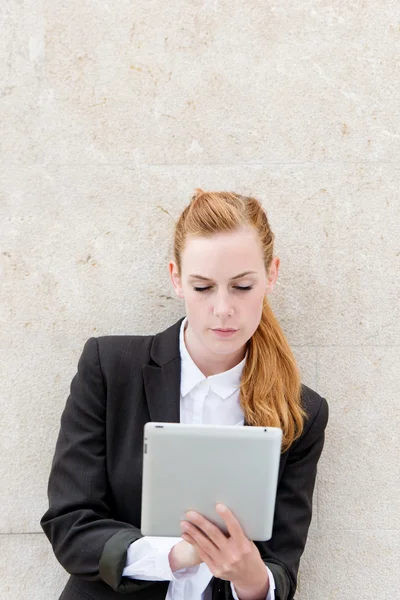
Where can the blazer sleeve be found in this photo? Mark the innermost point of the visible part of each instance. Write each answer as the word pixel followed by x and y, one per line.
pixel 293 508
pixel 87 542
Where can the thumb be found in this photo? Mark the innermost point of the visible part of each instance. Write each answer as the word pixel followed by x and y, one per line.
pixel 191 554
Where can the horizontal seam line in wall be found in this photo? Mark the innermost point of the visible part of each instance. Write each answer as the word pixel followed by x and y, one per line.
pixel 345 345
pixel 314 530
pixel 257 164
pixel 21 533
pixel 376 530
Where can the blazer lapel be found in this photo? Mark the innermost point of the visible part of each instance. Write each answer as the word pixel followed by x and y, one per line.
pixel 162 386
pixel 162 378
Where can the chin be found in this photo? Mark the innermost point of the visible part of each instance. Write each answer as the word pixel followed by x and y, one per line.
pixel 225 346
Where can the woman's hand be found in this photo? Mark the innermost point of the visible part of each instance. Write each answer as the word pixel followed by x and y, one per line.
pixel 183 556
pixel 233 557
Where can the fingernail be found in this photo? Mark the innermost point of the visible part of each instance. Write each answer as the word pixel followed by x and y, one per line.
pixel 221 507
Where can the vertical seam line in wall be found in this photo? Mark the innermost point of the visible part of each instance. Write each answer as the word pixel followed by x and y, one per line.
pixel 316 385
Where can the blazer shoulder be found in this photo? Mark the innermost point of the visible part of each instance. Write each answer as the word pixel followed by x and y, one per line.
pixel 117 355
pixel 115 350
pixel 123 341
pixel 317 414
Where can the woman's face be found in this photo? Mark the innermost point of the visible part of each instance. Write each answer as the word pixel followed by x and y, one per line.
pixel 223 283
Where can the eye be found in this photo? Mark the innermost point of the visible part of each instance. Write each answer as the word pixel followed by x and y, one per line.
pixel 237 287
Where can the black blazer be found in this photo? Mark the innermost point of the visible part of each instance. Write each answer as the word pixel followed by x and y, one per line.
pixel 95 481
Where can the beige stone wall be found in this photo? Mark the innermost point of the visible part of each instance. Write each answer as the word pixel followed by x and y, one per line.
pixel 110 115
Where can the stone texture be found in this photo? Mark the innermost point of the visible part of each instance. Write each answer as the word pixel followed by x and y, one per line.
pixel 359 488
pixel 184 73
pixel 306 360
pixel 349 564
pixel 29 568
pixel 212 79
pixel 323 216
pixel 21 81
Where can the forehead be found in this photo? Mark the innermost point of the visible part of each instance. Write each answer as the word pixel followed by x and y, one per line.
pixel 223 254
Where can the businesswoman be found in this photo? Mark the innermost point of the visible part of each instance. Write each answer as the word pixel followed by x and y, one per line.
pixel 226 362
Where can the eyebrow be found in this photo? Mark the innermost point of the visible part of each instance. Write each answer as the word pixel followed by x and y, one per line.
pixel 232 278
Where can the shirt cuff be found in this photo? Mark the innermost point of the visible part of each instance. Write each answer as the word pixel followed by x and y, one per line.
pixel 147 559
pixel 271 591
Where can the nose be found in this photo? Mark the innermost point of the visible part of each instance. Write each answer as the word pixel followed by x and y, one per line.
pixel 223 305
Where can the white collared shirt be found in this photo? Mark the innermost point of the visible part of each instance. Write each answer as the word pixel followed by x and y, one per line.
pixel 203 400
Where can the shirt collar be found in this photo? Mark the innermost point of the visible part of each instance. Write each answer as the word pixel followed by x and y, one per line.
pixel 223 384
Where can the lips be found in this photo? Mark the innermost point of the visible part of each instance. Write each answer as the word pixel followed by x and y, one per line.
pixel 225 330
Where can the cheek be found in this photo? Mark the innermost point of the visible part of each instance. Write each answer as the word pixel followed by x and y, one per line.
pixel 192 298
pixel 254 311
pixel 196 300
pixel 195 306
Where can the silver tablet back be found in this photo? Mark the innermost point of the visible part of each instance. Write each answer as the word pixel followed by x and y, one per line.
pixel 198 466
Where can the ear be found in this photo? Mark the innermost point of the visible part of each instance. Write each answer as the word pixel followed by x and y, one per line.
pixel 175 278
pixel 273 274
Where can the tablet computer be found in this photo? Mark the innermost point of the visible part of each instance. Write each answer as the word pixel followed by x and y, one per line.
pixel 195 467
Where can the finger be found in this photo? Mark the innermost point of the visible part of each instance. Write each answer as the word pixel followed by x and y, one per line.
pixel 211 530
pixel 232 524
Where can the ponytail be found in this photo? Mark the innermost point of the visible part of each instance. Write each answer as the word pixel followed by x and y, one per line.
pixel 271 386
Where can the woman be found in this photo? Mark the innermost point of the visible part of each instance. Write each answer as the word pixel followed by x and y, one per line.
pixel 226 362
